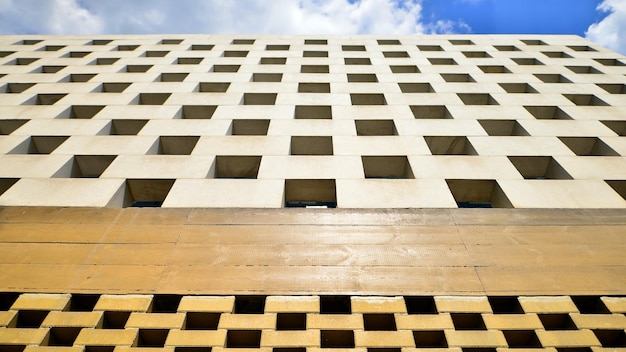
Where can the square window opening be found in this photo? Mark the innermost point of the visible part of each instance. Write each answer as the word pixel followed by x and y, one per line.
pixel 177 145
pixel 588 146
pixel 416 88
pixel 85 166
pixel 30 318
pixel 521 338
pixel 313 112
pixel 9 126
pixel 198 111
pixel 468 321
pixel 311 145
pixel 165 303
pixel 63 336
pixel 138 68
pixel 335 305
pixel 478 194
pixel 115 87
pixel 548 113
pixel 503 128
pixel 404 69
pixel 100 41
pixel 518 88
pixel 477 99
pixel 213 87
pixel 291 321
pixel 153 98
pixel 237 166
pixel 379 322
pixel 362 78
pixel 146 192
pixel 585 100
pixel 267 77
pixel 337 339
pixel 505 305
pixel 83 302
pixel 557 322
pixel 387 167
pixel 430 339
pixel 173 76
pixel 126 127
pixel 430 112
pixel 273 60
pixel 457 77
pixel 259 98
pixel 420 305
pixel 114 319
pixel 310 193
pixel 202 321
pixel 250 127
pixel 368 99
pixel 152 337
pixel 357 61
pixel 375 128
pixel 313 87
pixel 250 304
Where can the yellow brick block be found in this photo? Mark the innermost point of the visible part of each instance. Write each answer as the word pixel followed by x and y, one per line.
pixel 32 348
pixel 475 338
pixel 462 304
pixel 8 319
pixel 615 304
pixel 292 304
pixel 548 304
pixel 133 303
pixel 42 301
pixel 599 321
pixel 567 338
pixel 156 320
pixel 191 338
pixel 23 336
pixel 512 321
pixel 76 319
pixel 378 305
pixel 102 337
pixel 384 339
pixel 424 322
pixel 247 321
pixel 213 304
pixel 335 321
pixel 273 338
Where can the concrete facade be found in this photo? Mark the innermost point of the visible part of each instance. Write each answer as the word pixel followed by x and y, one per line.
pixel 165 193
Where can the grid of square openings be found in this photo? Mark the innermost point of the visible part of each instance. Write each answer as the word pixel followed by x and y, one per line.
pixel 457 97
pixel 102 322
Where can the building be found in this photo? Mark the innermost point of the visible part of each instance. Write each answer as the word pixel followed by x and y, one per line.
pixel 145 183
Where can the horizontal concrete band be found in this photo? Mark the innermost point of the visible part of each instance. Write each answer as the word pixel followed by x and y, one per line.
pixel 313 251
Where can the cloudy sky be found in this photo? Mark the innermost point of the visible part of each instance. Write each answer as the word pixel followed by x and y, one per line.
pixel 602 21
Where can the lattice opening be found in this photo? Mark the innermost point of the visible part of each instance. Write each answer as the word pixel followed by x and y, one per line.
pixel 267 77
pixel 311 145
pixel 214 87
pixel 273 60
pixel 477 99
pixel 152 337
pixel 314 87
pixel 9 126
pixel 478 194
pixel 272 47
pixel 165 303
pixel 518 88
pixel 306 193
pixel 375 128
pixel 313 112
pixel 259 98
pixel 138 68
pixel 556 54
pixel 430 112
pixel 613 88
pixel 114 87
pixel 153 98
pixel 127 47
pixel 250 127
pixel 539 168
pixel 51 69
pixel 156 53
pixel 581 48
pixel 588 146
pixel 619 127
pixel 235 53
pixel 18 87
pixel 362 77
pixel 618 186
pixel 146 192
pixel 457 77
pixel 506 48
pixel 548 112
pixel 114 319
pixel 225 68
pixel 416 88
pixel 388 42
pixel 106 60
pixel 557 322
pixel 337 339
pixel 449 145
pixel 100 41
pixel 198 111
pixel 476 54
pixel 249 304
pixel 521 338
pixel 494 69
pixel 379 322
pixel 24 61
pixel 357 61
pixel 237 166
pixel 468 321
pixel 404 69
pixel 173 76
pixel 505 305
pixel 39 145
pixel 461 42
pixel 5 184
pixel 177 145
pixel 442 61
pixel 315 41
pixel 127 127
pixel 389 167
pixel 171 41
pixel 63 336
pixel 81 77
pixel 420 305
pixel 189 60
pixel 584 69
pixel 503 128
pixel 610 62
pixel 368 99
pixel 430 48
pixel 83 302
pixel 7 299
pixel 312 53
pixel 243 41
pixel 202 321
pixel 314 69
pixel 527 61
pixel 85 166
pixel 30 318
pixel 335 305
pixel 202 47
pixel 395 54
pixel 353 47
pixel 585 100
pixel 427 339
pixel 590 305
pixel 243 339
pixel 291 321
pixel 611 338
pixel 533 42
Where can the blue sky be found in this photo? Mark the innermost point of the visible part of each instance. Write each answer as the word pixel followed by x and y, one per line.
pixel 602 21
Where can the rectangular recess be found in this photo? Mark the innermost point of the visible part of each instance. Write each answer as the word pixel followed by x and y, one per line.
pixel 226 68
pixel 442 61
pixel 584 69
pixel 430 339
pixel 114 87
pixel 173 76
pixel 81 77
pixel 310 193
pixel 9 126
pixel 517 87
pixel 379 322
pixel 153 98
pixel 84 111
pixel 313 112
pixel 235 53
pixel 273 60
pixel 468 321
pixel 86 166
pixel 267 77
pixel 367 99
pixel 177 145
pixel 213 87
pixel 202 47
pixel 552 78
pixel 315 41
pixel 613 88
pixel 138 68
pixel 313 87
pixel 156 53
pixel 250 127
pixel 505 305
pixel 388 42
pixel 316 53
pixel 362 77
pixel 39 145
pixel 395 54
pixel 18 87
pixel 259 98
pixel 146 192
pixel 416 87
pixel 311 145
pixel 588 146
pixel 63 336
pixel 619 127
pixel 389 167
pixel 430 112
pixel 314 69
pixel 375 128
pixel 522 338
pixel 126 127
pixel 202 321
pixel 171 41
pixel 281 47
pixel 610 62
pixel 353 47
pixel 527 61
pixel 539 168
pixel 243 41
pixel 494 69
pixel 420 305
pixel 457 77
pixel 48 99
pixel 477 99
pixel 250 304
pixel 478 193
pixel 506 48
pixel 404 69
pixel 585 100
pixel 337 339
pixel 556 54
pixel 237 166
pixel 476 54
pixel 557 322
pixel 291 321
pixel 152 337
pixel 503 128
pixel 547 112
pixel 357 61
pixel 335 305
pixel 430 48
pixel 189 60
pixel 198 111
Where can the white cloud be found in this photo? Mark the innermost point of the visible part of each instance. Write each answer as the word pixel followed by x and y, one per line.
pixel 447 27
pixel 611 31
pixel 211 16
